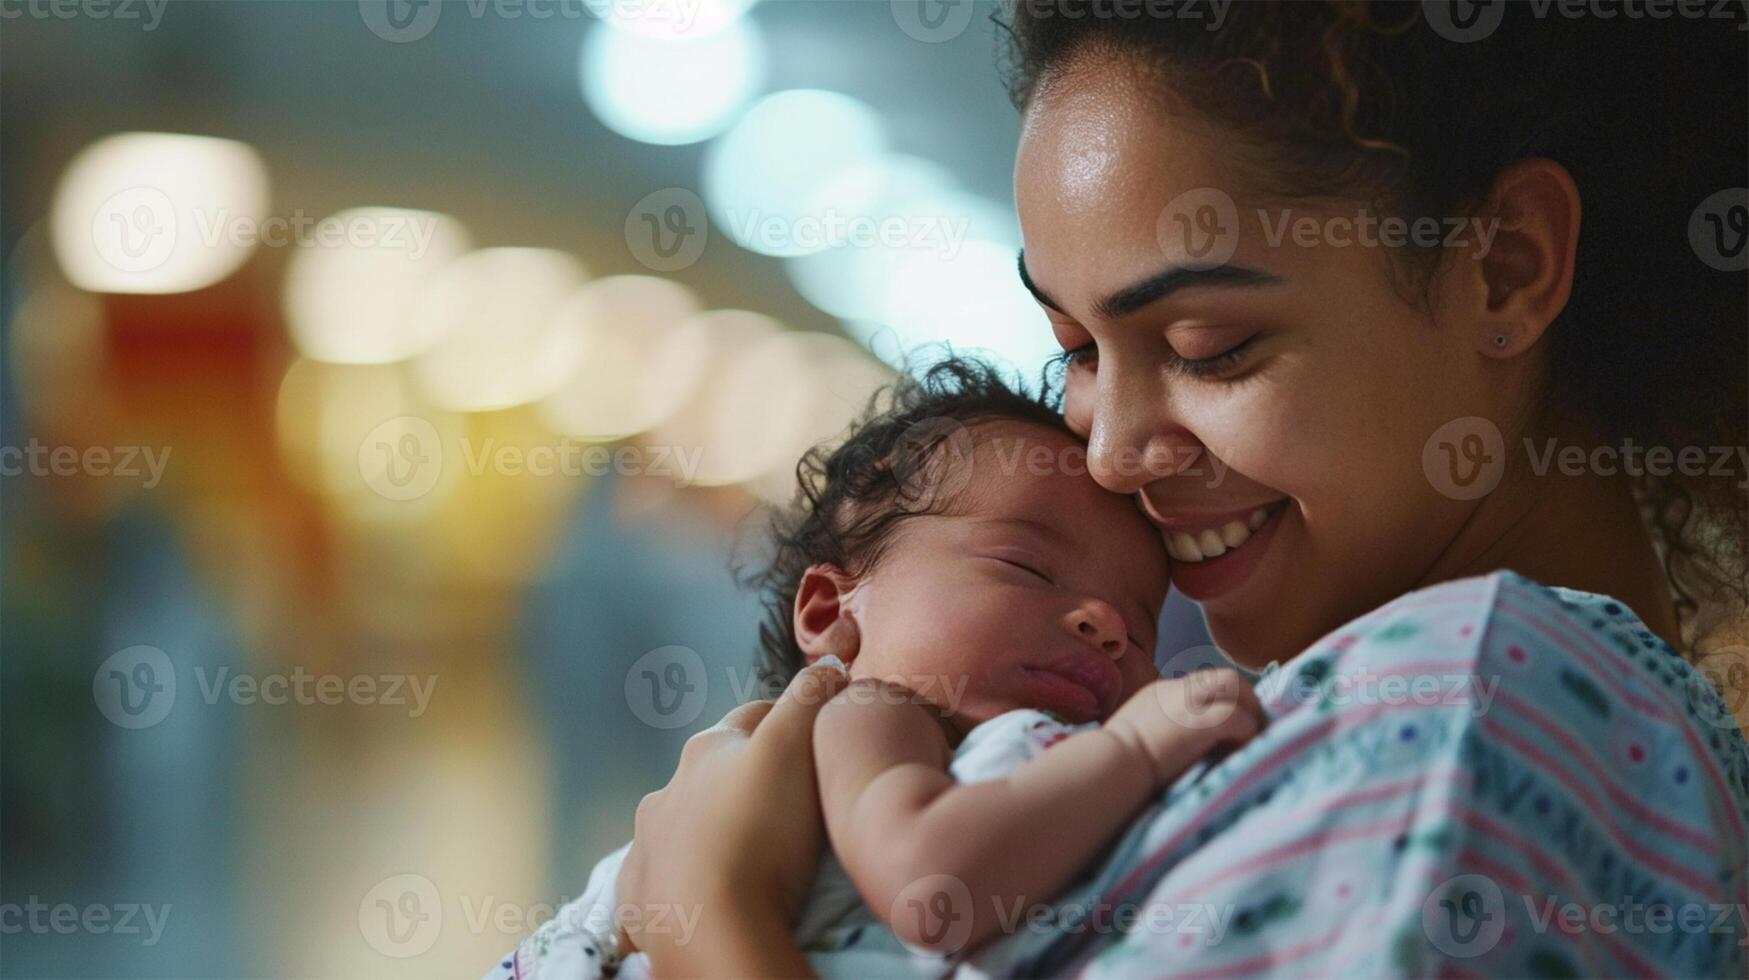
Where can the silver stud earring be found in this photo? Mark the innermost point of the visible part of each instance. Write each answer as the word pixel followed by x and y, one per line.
pixel 1499 340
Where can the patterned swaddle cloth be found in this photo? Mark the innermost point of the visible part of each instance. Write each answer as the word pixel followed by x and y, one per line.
pixel 1488 777
pixel 837 931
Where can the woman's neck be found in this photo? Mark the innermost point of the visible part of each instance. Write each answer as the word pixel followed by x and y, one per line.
pixel 1580 531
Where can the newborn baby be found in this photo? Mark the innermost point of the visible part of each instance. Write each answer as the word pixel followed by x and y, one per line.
pixel 964 565
pixel 990 601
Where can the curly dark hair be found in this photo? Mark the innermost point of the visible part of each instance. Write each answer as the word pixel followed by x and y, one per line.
pixel 850 499
pixel 1369 102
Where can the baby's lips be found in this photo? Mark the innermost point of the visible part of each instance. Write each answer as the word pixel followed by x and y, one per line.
pixel 1093 672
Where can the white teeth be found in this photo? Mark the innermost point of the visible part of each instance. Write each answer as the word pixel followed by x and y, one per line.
pixel 1183 547
pixel 1214 542
pixel 1233 534
pixel 1211 544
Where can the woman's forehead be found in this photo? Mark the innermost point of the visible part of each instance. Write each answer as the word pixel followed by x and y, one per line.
pixel 1091 193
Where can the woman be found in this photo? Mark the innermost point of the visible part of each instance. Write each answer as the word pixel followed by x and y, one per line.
pixel 1196 205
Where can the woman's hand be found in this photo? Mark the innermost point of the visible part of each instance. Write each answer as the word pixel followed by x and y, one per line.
pixel 722 856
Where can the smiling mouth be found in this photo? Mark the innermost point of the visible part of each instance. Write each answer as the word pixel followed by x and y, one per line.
pixel 1192 546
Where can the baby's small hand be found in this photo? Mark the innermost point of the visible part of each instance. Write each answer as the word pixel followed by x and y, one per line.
pixel 1174 722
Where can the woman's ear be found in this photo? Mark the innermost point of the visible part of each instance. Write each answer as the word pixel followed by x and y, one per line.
pixel 824 622
pixel 1530 227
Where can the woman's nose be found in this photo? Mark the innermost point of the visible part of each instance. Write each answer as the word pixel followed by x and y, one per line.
pixel 1132 439
pixel 1097 624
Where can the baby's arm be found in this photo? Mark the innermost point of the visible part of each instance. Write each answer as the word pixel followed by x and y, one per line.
pixel 895 815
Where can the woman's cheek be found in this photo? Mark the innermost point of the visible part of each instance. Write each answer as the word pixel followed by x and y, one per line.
pixel 1259 434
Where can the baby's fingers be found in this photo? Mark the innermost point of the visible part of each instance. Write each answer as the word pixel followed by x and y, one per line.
pixel 1208 699
pixel 788 728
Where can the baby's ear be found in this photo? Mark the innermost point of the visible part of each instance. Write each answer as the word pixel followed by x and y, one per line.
pixel 823 620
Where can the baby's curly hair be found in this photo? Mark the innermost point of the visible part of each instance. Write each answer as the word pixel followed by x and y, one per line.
pixel 851 498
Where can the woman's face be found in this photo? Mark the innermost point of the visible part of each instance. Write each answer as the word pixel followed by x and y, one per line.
pixel 1293 378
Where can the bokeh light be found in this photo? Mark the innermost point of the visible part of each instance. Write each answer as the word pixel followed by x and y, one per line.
pixel 710 422
pixel 849 281
pixel 939 268
pixel 642 352
pixel 55 354
pixel 840 378
pixel 324 414
pixel 973 300
pixel 669 92
pixel 158 212
pixel 352 302
pixel 500 343
pixel 775 182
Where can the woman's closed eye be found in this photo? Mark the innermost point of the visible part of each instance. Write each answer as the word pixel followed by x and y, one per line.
pixel 1087 355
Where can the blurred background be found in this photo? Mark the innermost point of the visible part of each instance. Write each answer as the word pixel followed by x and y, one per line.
pixel 388 390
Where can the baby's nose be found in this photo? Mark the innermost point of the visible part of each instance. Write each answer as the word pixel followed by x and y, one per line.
pixel 1099 625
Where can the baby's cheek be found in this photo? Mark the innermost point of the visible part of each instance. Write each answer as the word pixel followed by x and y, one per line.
pixel 1137 670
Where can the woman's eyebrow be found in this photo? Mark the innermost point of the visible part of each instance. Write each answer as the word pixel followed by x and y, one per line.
pixel 1157 286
